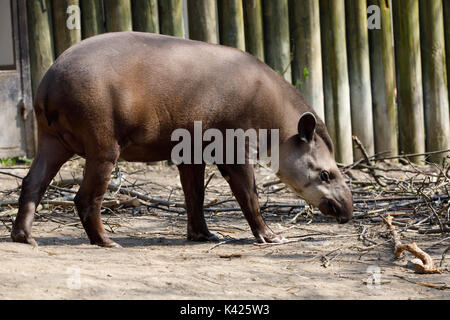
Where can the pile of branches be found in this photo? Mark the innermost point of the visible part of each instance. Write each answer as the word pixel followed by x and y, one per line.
pixel 380 185
pixel 398 187
pixel 389 190
pixel 400 195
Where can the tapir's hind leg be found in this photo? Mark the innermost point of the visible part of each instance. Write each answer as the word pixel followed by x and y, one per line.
pixel 89 200
pixel 50 157
pixel 242 182
pixel 192 178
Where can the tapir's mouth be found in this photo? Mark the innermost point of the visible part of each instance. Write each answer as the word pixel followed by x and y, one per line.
pixel 342 212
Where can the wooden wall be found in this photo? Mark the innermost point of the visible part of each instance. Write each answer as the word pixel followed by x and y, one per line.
pixel 388 86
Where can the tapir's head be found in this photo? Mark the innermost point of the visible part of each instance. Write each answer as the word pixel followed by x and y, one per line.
pixel 308 167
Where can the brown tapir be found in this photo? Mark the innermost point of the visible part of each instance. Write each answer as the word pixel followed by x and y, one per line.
pixel 121 95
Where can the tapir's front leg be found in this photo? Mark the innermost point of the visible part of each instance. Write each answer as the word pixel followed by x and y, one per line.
pixel 192 178
pixel 241 179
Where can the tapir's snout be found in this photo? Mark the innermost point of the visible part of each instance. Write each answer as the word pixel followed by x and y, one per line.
pixel 341 209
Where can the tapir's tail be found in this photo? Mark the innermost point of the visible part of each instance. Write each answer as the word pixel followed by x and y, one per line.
pixel 41 102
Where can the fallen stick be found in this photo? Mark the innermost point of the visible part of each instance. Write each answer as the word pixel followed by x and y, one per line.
pixel 301 238
pixel 230 256
pixel 367 159
pixel 426 266
pixel 271 183
pixel 431 174
pixel 443 256
pixel 225 241
pixel 126 191
pixel 438 286
pixel 11 175
pixel 209 180
pixel 346 168
pixel 63 203
pixel 412 155
pixel 391 199
pixel 434 231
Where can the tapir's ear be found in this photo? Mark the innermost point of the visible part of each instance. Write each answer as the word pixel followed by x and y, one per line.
pixel 306 126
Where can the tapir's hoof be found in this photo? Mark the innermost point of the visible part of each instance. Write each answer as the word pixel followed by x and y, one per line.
pixel 107 244
pixel 203 237
pixel 271 238
pixel 22 237
pixel 112 244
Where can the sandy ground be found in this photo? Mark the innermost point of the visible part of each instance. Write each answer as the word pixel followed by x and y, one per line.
pixel 326 260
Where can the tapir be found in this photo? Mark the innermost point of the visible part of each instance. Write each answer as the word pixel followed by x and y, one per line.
pixel 121 95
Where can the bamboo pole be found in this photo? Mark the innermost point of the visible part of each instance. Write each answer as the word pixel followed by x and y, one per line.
pixel 383 81
pixel 202 16
pixel 65 33
pixel 40 39
pixel 171 20
pixel 359 74
pixel 253 25
pixel 435 91
pixel 336 83
pixel 276 37
pixel 446 4
pixel 92 20
pixel 231 23
pixel 118 15
pixel 307 52
pixel 409 76
pixel 145 15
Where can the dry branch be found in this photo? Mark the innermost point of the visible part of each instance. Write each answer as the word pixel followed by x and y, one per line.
pixel 426 266
pixel 367 159
pixel 411 155
pixel 63 203
pixel 414 193
pixel 126 191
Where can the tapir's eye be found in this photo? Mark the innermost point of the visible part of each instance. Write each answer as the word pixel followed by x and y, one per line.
pixel 324 176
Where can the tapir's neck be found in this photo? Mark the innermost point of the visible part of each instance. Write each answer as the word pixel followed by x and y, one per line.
pixel 293 106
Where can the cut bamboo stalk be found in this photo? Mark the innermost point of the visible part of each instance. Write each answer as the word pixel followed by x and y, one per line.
pixel 171 21
pixel 40 39
pixel 118 15
pixel 231 23
pixel 437 124
pixel 145 15
pixel 254 32
pixel 203 20
pixel 383 81
pixel 446 4
pixel 307 52
pixel 65 34
pixel 336 83
pixel 276 37
pixel 92 20
pixel 409 77
pixel 359 74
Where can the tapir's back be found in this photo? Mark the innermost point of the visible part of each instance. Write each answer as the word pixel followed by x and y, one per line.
pixel 164 68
